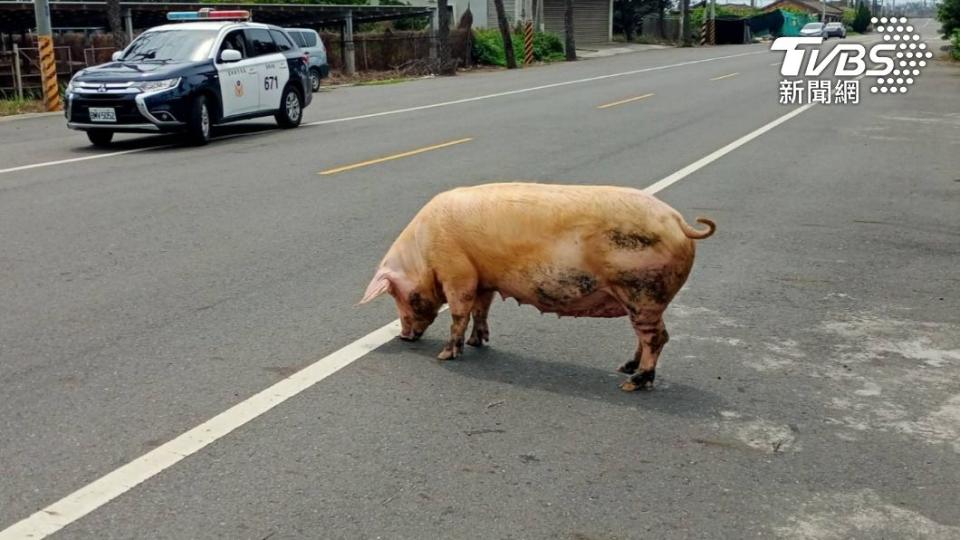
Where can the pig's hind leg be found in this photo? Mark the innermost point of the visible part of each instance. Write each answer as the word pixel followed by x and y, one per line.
pixel 461 297
pixel 652 337
pixel 481 307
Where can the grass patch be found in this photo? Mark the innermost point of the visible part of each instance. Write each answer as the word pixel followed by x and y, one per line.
pixel 652 40
pixel 364 78
pixel 12 106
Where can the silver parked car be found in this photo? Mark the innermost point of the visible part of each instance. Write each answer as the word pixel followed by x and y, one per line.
pixel 814 29
pixel 836 29
pixel 310 41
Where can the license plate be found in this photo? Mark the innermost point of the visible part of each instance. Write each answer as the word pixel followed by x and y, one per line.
pixel 103 114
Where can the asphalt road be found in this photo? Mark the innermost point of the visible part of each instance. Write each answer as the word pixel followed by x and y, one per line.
pixel 810 387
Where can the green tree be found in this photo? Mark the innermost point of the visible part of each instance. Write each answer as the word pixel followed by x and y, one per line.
pixel 949 16
pixel 862 19
pixel 628 16
pixel 849 14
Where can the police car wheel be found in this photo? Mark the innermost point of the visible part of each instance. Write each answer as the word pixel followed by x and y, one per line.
pixel 291 109
pixel 100 137
pixel 198 128
pixel 315 79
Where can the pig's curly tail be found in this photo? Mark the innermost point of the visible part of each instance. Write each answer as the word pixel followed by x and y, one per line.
pixel 696 234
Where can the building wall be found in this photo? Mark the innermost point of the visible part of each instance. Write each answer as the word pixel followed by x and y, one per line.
pixel 511 7
pixel 477 7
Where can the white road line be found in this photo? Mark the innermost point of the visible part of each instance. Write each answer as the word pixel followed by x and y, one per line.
pixel 399 111
pixel 74 160
pixel 717 154
pixel 120 153
pixel 110 486
pixel 94 495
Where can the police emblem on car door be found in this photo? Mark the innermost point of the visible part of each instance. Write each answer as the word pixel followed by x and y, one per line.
pixel 238 80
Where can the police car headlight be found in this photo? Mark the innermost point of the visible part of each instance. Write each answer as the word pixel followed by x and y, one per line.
pixel 70 86
pixel 153 86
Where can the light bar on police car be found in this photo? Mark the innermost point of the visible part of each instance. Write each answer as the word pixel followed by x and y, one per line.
pixel 209 15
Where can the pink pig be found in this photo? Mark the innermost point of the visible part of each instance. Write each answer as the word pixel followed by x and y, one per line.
pixel 578 251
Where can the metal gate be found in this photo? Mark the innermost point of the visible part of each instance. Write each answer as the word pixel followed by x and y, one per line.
pixel 27 59
pixel 591 20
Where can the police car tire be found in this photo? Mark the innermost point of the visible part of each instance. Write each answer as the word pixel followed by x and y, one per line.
pixel 283 116
pixel 196 133
pixel 100 137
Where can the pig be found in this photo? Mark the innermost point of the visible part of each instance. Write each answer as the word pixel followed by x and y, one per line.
pixel 573 250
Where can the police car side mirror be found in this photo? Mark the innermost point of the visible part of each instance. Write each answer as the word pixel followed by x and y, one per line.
pixel 116 56
pixel 230 55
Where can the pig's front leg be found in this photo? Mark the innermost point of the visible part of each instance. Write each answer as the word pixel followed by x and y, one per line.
pixel 461 299
pixel 481 331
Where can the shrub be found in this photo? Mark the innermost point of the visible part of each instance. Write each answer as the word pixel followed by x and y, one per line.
pixel 861 21
pixel 948 13
pixel 955 41
pixel 488 47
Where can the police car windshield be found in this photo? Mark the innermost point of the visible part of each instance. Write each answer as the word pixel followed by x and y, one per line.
pixel 171 46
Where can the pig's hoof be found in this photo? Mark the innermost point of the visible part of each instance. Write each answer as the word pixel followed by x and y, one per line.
pixel 639 381
pixel 448 354
pixel 479 335
pixel 477 340
pixel 629 367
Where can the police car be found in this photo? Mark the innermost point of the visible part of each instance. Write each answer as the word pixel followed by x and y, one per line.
pixel 210 67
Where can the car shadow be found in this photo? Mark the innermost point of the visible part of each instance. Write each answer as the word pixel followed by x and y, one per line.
pixel 172 141
pixel 565 378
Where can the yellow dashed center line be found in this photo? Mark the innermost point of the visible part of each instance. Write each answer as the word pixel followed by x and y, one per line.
pixel 622 101
pixel 392 157
pixel 727 76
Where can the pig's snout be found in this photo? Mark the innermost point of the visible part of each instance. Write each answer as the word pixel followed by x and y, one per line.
pixel 409 329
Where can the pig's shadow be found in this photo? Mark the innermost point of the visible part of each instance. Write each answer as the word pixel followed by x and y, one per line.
pixel 564 378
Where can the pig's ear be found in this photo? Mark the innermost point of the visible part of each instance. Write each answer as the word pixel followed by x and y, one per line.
pixel 378 285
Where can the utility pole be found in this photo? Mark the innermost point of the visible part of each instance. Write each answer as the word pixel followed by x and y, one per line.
pixel 685 23
pixel 713 22
pixel 526 15
pixel 48 62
